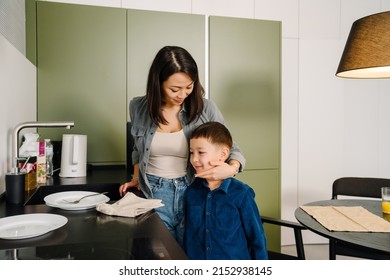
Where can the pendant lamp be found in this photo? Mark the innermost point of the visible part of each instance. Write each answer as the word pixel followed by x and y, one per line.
pixel 367 51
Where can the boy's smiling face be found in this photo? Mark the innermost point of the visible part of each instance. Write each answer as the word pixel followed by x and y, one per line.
pixel 202 152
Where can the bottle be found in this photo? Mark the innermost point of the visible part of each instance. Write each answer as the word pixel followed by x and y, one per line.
pixel 49 158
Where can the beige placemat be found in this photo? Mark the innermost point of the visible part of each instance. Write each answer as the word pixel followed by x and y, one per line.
pixel 347 218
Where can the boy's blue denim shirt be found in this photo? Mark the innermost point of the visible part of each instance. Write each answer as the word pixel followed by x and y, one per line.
pixel 224 223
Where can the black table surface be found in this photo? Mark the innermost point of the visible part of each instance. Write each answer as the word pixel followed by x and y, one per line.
pixel 89 234
pixel 377 241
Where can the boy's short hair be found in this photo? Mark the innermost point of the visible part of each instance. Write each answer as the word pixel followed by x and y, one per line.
pixel 214 132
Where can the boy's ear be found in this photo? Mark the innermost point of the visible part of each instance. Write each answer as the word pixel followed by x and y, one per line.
pixel 225 151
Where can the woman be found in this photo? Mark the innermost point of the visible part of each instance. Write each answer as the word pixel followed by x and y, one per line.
pixel 162 123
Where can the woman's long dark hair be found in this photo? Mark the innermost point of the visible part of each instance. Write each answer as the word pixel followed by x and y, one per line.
pixel 168 61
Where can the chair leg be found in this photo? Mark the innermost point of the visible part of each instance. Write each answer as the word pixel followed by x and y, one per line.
pixel 332 250
pixel 299 244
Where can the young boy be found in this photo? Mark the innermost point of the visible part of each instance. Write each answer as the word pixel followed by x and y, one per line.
pixel 222 219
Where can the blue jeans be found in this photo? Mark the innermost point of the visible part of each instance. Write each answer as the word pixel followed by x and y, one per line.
pixel 171 192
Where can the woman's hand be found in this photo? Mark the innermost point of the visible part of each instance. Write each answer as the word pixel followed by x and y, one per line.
pixel 220 171
pixel 132 184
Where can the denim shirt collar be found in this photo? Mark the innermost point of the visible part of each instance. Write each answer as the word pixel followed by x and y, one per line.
pixel 224 187
pixel 183 108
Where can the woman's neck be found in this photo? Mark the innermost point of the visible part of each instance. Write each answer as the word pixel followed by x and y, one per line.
pixel 171 108
pixel 171 115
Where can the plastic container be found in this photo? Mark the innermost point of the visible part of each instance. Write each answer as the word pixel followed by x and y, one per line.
pixel 14 187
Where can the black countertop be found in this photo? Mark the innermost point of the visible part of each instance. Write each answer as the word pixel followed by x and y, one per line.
pixel 88 234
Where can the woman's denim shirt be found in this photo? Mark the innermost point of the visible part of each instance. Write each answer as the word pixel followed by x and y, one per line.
pixel 143 130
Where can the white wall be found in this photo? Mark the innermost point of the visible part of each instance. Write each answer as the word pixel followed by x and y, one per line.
pixel 331 127
pixel 18 102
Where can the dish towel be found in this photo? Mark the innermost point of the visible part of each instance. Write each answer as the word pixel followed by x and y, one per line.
pixel 347 218
pixel 129 206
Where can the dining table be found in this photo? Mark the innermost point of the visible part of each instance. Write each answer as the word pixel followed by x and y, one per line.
pixel 376 242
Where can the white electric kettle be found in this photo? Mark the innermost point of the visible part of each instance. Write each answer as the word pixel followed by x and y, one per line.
pixel 74 155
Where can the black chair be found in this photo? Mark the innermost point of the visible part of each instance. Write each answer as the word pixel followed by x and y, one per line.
pixel 272 255
pixel 356 187
pixel 359 186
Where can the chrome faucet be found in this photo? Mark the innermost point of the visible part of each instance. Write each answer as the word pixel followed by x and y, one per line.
pixel 19 127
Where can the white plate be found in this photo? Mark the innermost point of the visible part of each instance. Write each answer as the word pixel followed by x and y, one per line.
pixel 29 225
pixel 58 200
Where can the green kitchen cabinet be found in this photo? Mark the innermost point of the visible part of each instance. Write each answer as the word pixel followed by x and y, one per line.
pixel 81 73
pixel 149 31
pixel 245 82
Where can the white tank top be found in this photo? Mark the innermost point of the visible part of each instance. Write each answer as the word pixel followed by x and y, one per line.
pixel 168 155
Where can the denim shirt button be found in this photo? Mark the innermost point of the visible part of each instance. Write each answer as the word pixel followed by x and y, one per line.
pixel 209 195
pixel 207 231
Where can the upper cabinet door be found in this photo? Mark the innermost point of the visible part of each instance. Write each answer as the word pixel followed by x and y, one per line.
pixel 245 82
pixel 148 32
pixel 81 60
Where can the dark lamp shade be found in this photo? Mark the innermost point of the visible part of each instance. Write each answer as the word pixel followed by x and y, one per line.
pixel 367 51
